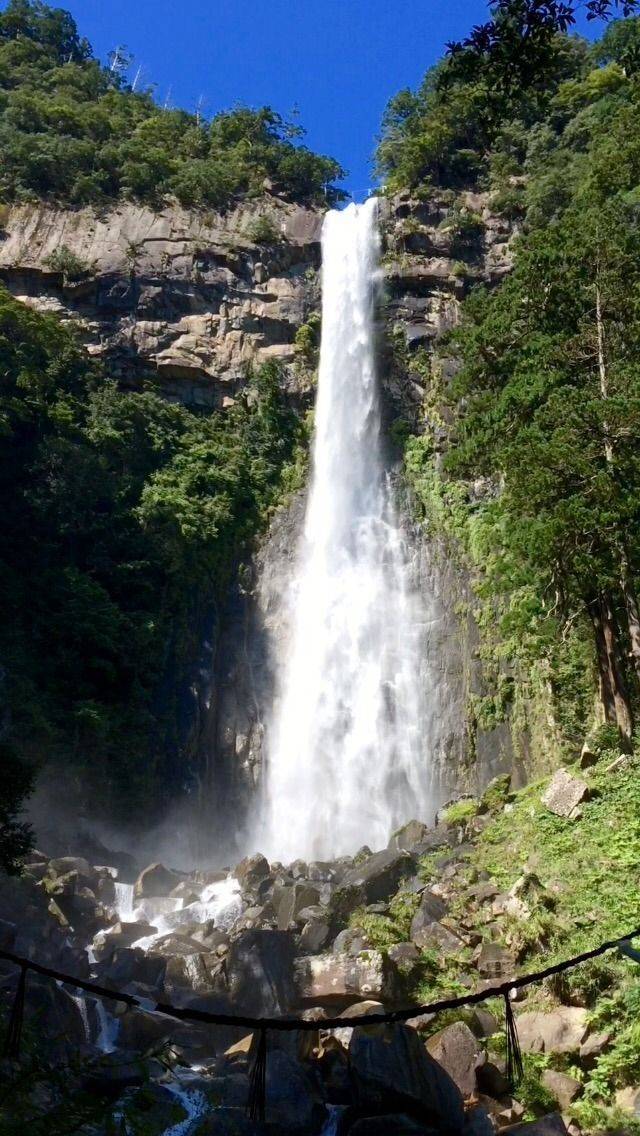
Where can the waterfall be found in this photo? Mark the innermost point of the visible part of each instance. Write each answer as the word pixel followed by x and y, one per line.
pixel 345 751
pixel 124 903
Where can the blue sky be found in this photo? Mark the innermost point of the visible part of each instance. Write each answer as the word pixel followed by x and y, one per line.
pixel 334 62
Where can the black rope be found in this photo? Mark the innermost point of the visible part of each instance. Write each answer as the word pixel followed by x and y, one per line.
pixel 515 1069
pixel 258 1082
pixel 188 1014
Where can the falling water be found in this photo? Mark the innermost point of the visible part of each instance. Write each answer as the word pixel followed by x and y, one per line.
pixel 124 902
pixel 345 762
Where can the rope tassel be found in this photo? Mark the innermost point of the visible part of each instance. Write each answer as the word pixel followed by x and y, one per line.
pixel 258 1083
pixel 14 1032
pixel 515 1069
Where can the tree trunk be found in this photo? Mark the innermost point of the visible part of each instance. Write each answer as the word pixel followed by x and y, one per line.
pixel 602 370
pixel 631 605
pixel 613 693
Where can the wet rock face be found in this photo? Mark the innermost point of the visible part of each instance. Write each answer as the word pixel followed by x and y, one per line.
pixel 188 297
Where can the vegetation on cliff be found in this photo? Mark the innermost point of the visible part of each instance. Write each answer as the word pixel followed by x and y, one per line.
pixel 75 131
pixel 546 404
pixel 123 517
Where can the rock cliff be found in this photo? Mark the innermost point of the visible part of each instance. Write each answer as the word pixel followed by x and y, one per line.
pixel 187 299
pixel 189 302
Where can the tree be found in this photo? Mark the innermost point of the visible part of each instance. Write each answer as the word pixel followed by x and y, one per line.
pixel 517 47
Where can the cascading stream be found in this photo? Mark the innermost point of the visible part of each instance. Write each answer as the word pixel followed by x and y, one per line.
pixel 345 756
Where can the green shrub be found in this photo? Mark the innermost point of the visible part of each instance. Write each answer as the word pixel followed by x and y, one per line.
pixel 307 338
pixel 263 231
pixel 65 261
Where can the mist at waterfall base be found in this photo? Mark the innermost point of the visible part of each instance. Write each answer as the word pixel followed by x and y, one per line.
pixel 346 759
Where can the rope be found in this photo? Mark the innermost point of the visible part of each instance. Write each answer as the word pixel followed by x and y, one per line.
pixel 187 1014
pixel 258 1084
pixel 515 1068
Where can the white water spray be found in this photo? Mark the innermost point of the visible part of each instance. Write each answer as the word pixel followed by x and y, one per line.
pixel 345 763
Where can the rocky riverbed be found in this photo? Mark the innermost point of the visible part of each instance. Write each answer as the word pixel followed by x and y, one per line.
pixel 378 930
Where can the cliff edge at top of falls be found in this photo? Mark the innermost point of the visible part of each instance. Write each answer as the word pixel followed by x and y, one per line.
pixel 190 299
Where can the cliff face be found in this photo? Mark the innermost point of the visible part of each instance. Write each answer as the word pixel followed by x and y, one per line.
pixel 435 251
pixel 190 300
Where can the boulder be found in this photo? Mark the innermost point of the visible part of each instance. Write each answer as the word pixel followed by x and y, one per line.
pixel 350 941
pixel 176 944
pixel 564 793
pixel 551 1125
pixel 391 1070
pixel 620 762
pixel 119 935
pixel 62 865
pixel 561 1031
pixel 330 979
pixel 59 1018
pixel 404 955
pixel 293 1104
pixel 563 1088
pixel 342 899
pixel 458 1051
pixel 187 972
pixel 379 875
pixel 314 936
pixel 628 1100
pixel 588 756
pixel 492 1079
pixel 483 1022
pixel 260 972
pixel 139 1031
pixel 288 901
pixel 343 1034
pixel 251 871
pixel 114 1073
pixel 155 880
pixel 130 964
pixel 591 1048
pixel 493 961
pixel 322 871
pixel 406 838
pixel 431 909
pixel 437 937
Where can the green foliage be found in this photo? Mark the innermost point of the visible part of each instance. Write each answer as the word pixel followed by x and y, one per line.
pixel 382 931
pixel 546 407
pixel 307 339
pixel 263 231
pixel 579 860
pixel 444 133
pixel 72 130
pixel 517 48
pixel 460 811
pixel 123 518
pixel 64 260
